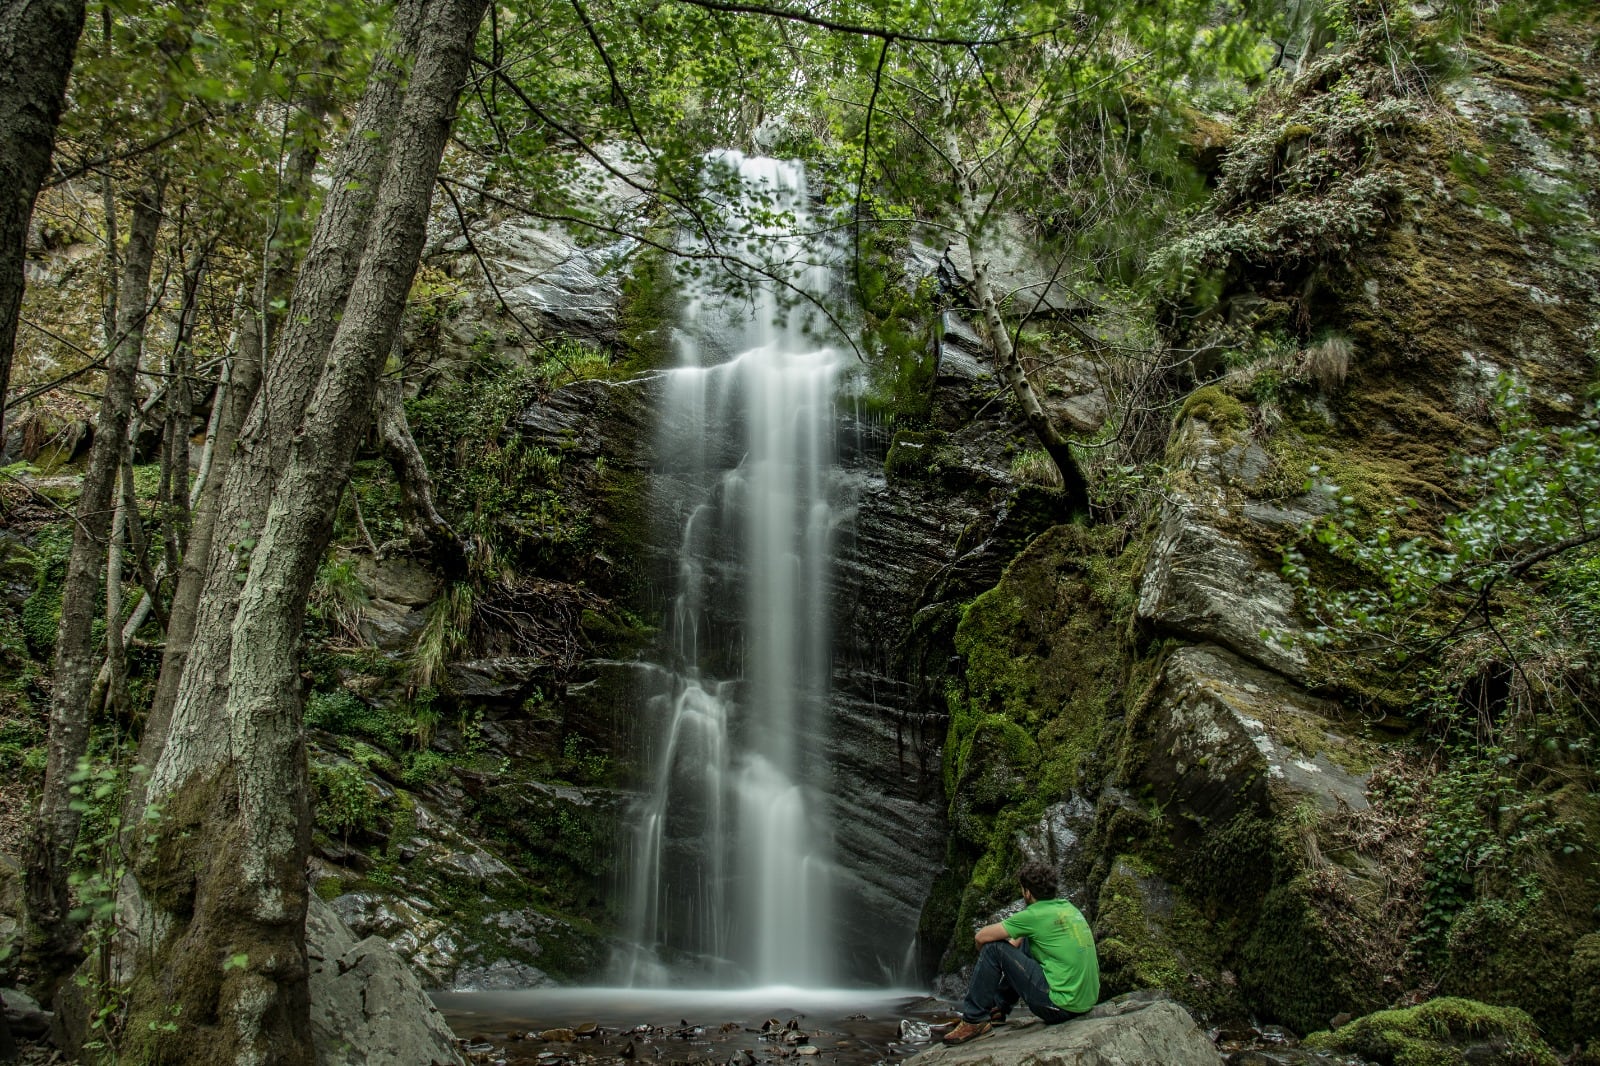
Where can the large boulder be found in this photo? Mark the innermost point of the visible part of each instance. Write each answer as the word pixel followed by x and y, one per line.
pixel 1248 885
pixel 1129 1032
pixel 367 1007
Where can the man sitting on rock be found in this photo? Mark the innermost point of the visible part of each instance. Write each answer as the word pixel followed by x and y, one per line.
pixel 1042 955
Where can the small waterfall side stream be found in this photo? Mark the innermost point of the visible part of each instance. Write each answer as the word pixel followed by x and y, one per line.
pixel 731 876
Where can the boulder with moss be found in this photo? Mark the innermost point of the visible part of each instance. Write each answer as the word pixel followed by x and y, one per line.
pixel 1243 889
pixel 1442 1032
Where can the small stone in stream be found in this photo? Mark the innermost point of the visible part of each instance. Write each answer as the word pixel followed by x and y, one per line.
pixel 792 1023
pixel 727 1027
pixel 915 1032
pixel 770 1024
pixel 587 1029
pixel 856 1017
pixel 807 1049
pixel 558 1035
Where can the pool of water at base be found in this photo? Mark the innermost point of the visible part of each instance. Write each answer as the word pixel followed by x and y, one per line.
pixel 845 1027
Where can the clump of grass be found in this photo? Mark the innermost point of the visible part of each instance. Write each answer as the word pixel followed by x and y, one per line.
pixel 444 634
pixel 1327 362
pixel 1035 467
pixel 337 600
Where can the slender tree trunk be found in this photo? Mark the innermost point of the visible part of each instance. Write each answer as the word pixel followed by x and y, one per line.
pixel 116 654
pixel 179 414
pixel 226 883
pixel 52 946
pixel 1007 361
pixel 37 42
pixel 426 527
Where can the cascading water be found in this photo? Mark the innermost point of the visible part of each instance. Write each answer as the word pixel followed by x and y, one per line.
pixel 732 877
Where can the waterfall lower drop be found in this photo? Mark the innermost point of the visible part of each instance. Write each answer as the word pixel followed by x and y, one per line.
pixel 732 879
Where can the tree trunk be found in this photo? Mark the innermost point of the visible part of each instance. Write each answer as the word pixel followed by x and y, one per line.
pixel 52 943
pixel 198 666
pixel 179 415
pixel 426 528
pixel 227 879
pixel 1007 361
pixel 37 41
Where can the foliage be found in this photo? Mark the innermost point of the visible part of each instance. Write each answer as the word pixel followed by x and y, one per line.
pixel 344 713
pixel 41 612
pixel 491 484
pixel 1484 626
pixel 98 786
pixel 1485 838
pixel 345 802
pixel 1534 499
pixel 1304 180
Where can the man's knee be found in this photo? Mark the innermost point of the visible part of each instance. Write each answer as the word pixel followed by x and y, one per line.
pixel 994 949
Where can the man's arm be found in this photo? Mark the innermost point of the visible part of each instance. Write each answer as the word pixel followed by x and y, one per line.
pixel 990 933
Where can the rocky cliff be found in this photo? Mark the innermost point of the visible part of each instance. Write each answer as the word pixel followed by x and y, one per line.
pixel 1255 823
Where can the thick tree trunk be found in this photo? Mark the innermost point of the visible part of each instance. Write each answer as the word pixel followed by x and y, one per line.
pixel 37 42
pixel 52 944
pixel 194 681
pixel 227 884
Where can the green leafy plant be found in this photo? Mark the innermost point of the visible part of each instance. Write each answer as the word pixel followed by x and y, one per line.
pixel 345 802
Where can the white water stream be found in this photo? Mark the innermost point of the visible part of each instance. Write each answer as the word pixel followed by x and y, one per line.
pixel 731 877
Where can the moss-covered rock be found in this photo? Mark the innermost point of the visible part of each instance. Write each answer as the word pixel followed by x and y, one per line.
pixel 1042 668
pixel 1442 1032
pixel 917 454
pixel 1248 777
pixel 1149 935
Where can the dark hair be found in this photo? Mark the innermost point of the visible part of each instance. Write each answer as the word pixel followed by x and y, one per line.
pixel 1038 879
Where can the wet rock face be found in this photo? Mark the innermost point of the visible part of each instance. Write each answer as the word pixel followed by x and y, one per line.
pixel 919 544
pixel 546 279
pixel 1203 581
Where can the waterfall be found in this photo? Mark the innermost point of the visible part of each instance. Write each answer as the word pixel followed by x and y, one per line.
pixel 732 877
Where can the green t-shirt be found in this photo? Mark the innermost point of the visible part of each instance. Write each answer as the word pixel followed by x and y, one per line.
pixel 1060 942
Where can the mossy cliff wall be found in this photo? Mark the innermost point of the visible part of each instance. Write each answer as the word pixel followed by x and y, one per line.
pixel 1247 820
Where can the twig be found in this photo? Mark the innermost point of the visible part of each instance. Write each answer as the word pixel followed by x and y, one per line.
pixel 361 525
pixel 859 30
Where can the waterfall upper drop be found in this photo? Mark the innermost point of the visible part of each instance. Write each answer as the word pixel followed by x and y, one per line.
pixel 732 874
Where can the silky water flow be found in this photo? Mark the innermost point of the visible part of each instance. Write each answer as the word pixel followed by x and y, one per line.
pixel 730 877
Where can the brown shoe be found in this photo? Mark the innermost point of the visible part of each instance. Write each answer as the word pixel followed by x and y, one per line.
pixel 966 1031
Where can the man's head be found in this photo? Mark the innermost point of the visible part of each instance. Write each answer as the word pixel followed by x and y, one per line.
pixel 1038 880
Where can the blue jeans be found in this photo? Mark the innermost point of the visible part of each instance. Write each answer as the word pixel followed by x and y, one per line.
pixel 1002 976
